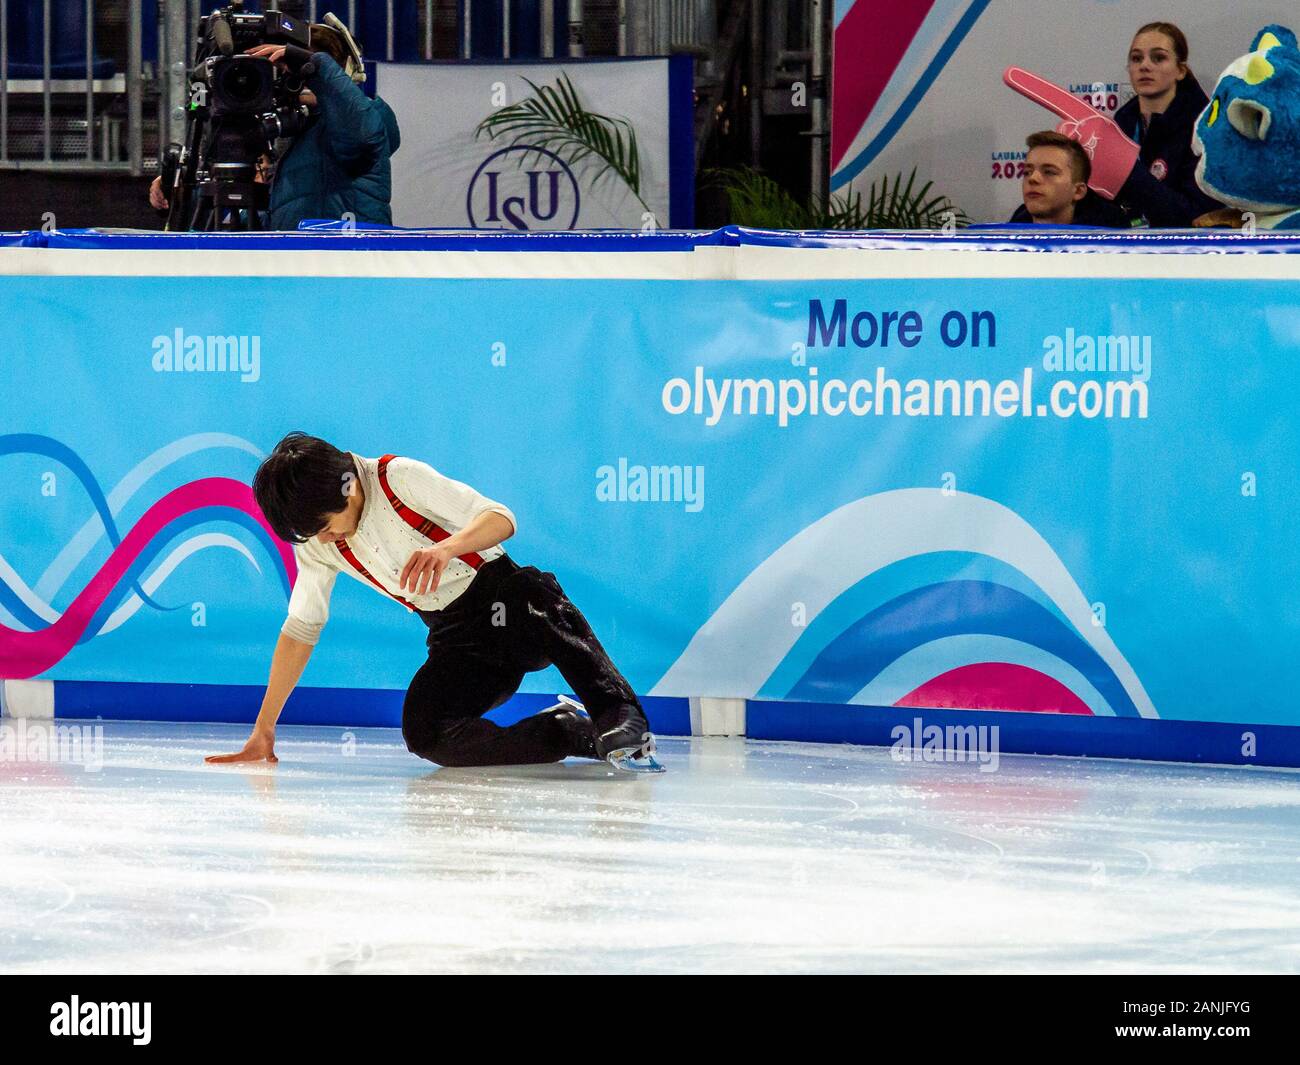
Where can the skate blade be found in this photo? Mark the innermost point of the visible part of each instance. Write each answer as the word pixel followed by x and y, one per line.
pixel 566 701
pixel 623 760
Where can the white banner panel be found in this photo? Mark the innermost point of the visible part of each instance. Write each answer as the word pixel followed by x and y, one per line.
pixel 444 176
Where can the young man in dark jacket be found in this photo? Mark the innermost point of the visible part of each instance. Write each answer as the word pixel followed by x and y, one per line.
pixel 1055 186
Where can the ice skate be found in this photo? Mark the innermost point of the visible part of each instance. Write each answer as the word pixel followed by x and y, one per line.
pixel 637 758
pixel 628 745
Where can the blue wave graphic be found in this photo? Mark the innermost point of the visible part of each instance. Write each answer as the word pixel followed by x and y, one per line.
pixel 34 444
pixel 884 584
pixel 160 544
pixel 959 607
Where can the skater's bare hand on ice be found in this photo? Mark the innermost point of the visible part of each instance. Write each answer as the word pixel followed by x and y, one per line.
pixel 260 747
pixel 423 570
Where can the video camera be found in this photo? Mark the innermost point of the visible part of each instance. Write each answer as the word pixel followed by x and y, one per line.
pixel 239 106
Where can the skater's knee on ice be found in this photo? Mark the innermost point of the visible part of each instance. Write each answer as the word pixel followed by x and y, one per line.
pixel 417 745
pixel 432 749
pixel 421 739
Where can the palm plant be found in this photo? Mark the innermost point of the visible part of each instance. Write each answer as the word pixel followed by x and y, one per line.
pixel 555 119
pixel 758 201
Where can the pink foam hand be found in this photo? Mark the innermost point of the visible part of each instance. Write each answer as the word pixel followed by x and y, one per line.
pixel 1113 154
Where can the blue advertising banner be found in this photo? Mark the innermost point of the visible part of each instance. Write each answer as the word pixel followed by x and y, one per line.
pixel 970 479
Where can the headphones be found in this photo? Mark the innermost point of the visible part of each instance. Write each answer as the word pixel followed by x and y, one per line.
pixel 354 68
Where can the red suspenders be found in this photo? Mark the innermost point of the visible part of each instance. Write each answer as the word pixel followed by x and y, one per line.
pixel 424 526
pixel 355 563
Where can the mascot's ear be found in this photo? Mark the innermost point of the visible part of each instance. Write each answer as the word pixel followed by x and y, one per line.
pixel 1272 37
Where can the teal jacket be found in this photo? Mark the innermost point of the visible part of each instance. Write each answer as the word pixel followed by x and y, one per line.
pixel 340 163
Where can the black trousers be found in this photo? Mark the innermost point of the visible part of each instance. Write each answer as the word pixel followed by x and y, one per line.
pixel 512 620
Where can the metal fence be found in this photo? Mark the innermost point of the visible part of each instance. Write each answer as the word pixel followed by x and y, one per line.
pixel 60 110
pixel 660 27
pixel 641 27
pixel 58 114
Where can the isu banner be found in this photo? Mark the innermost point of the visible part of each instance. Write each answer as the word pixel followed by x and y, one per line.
pixel 876 477
pixel 920 84
pixel 531 176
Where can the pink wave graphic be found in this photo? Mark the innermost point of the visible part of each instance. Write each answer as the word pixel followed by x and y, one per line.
pixel 870 42
pixel 25 654
pixel 996 686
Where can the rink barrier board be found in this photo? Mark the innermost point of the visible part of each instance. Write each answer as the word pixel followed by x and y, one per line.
pixel 1139 739
pixel 342 707
pixel 320 235
pixel 728 253
pixel 1276 746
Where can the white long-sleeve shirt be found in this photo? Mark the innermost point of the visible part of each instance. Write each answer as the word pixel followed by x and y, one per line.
pixel 383 543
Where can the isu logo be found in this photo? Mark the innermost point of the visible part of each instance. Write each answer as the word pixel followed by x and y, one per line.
pixel 522 188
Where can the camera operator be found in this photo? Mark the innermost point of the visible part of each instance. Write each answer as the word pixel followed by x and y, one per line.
pixel 339 164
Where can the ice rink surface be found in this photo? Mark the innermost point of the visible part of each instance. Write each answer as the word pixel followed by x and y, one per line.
pixel 353 856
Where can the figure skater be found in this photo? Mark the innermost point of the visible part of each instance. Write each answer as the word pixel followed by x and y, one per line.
pixel 433 544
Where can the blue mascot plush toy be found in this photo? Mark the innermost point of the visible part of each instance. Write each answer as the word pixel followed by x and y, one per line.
pixel 1249 136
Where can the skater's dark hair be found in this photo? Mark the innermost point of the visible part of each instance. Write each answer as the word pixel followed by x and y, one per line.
pixel 301 483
